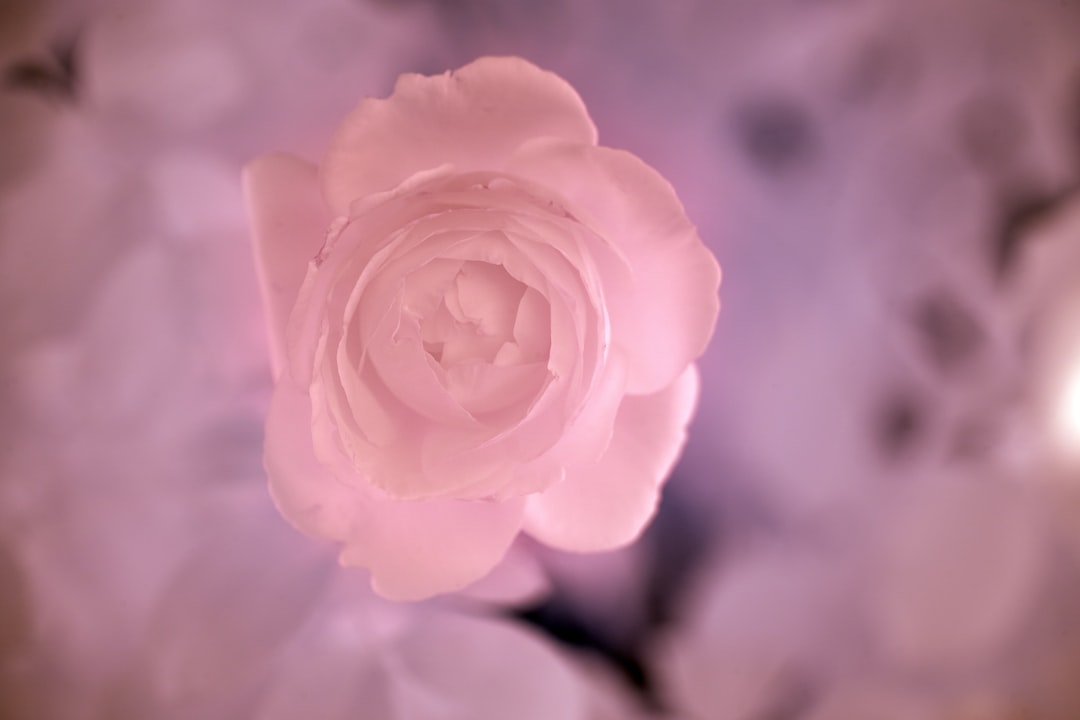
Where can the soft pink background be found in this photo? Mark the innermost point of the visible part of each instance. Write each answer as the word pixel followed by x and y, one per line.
pixel 876 508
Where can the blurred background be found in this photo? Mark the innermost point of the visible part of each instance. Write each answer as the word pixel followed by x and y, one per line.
pixel 877 516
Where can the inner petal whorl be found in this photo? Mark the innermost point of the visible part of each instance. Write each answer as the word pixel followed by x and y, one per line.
pixel 471 317
pixel 475 316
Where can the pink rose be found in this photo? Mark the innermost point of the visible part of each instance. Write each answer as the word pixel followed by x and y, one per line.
pixel 496 333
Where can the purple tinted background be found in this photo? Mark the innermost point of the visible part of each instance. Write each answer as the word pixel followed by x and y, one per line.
pixel 866 171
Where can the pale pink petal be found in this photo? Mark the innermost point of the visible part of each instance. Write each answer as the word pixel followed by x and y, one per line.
pixel 227 611
pixel 474 118
pixel 416 549
pixel 489 297
pixel 424 289
pixel 289 222
pixel 493 470
pixel 474 464
pixel 753 622
pixel 605 505
pixel 583 432
pixel 485 463
pixel 458 666
pixel 359 260
pixel 359 658
pixel 669 297
pixel 339 666
pixel 589 430
pixel 303 488
pixel 398 354
pixel 386 332
pixel 532 326
pixel 352 251
pixel 517 580
pixel 359 403
pixel 483 389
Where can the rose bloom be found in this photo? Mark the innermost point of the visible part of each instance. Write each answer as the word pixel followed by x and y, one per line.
pixel 481 323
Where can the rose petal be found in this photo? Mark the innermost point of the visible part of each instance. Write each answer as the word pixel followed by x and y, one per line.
pixel 605 505
pixel 399 356
pixel 459 666
pixel 489 297
pixel 670 301
pixel 532 326
pixel 225 612
pixel 289 222
pixel 517 580
pixel 484 466
pixel 482 389
pixel 464 462
pixel 416 549
pixel 584 437
pixel 303 489
pixel 361 659
pixel 589 430
pixel 474 117
pixel 755 621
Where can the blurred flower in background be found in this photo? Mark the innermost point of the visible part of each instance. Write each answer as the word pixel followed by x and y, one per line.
pixel 878 512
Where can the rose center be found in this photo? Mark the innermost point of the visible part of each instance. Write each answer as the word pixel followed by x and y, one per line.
pixel 475 317
pixel 486 334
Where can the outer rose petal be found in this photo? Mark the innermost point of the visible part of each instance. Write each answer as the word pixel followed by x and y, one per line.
pixel 453 666
pixel 474 117
pixel 670 297
pixel 289 222
pixel 203 637
pixel 419 548
pixel 303 489
pixel 517 580
pixel 605 505
pixel 414 549
pixel 361 658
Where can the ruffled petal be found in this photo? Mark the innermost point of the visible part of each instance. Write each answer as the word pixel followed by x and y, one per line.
pixel 420 548
pixel 476 462
pixel 669 296
pixel 289 222
pixel 605 505
pixel 414 549
pixel 474 118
